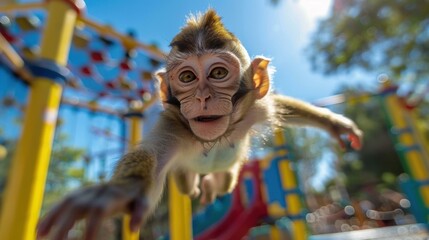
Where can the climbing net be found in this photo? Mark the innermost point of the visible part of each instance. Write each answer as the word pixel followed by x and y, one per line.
pixel 105 67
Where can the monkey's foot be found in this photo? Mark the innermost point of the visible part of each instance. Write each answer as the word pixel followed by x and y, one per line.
pixel 208 193
pixel 195 192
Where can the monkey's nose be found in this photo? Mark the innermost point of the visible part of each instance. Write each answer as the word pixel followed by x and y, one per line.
pixel 203 97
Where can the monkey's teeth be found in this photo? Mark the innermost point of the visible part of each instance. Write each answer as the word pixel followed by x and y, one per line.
pixel 207 118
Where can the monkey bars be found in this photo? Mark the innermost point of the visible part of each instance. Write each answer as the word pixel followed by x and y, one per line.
pixel 31 161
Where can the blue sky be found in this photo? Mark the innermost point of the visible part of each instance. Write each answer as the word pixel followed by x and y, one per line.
pixel 279 32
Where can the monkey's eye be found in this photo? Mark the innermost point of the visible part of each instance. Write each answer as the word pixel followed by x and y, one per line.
pixel 218 73
pixel 187 76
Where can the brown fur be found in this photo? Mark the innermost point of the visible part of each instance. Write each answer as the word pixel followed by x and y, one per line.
pixel 204 33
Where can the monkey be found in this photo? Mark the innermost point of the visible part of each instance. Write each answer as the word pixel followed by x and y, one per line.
pixel 214 96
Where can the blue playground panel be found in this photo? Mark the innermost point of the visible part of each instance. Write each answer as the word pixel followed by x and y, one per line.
pixel 273 182
pixel 250 190
pixel 211 215
pixel 411 189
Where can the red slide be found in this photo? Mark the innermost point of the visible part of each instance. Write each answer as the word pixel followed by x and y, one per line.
pixel 239 220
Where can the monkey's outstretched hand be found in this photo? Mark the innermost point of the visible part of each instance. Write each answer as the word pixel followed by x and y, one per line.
pixel 94 203
pixel 295 112
pixel 340 126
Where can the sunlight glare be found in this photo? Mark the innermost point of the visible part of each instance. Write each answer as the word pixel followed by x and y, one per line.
pixel 315 9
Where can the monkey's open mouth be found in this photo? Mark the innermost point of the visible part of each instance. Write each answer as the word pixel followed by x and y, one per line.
pixel 207 118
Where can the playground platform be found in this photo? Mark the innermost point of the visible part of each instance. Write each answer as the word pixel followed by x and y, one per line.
pixel 408 232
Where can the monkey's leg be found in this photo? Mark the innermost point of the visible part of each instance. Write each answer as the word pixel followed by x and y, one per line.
pixel 219 183
pixel 187 182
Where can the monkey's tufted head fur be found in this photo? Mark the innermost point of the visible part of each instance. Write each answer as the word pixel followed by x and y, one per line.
pixel 202 34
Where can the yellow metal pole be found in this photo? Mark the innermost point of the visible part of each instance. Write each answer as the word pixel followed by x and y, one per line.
pixel 25 187
pixel 275 233
pixel 11 6
pixel 293 200
pixel 180 213
pixel 419 133
pixel 414 159
pixel 136 136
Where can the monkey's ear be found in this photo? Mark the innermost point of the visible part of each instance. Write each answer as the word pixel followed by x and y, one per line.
pixel 261 76
pixel 161 75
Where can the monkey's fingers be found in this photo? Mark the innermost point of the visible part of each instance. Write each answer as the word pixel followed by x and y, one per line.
pixel 64 224
pixel 138 209
pixel 355 141
pixel 195 193
pixel 46 224
pixel 94 220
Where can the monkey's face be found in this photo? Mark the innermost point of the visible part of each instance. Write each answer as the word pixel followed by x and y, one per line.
pixel 204 85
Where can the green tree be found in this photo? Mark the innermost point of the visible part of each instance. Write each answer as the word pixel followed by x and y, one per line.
pixel 5 164
pixel 63 173
pixel 384 35
pixel 308 147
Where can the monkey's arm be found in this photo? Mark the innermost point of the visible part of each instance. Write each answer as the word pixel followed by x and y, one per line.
pixel 125 193
pixel 135 188
pixel 292 111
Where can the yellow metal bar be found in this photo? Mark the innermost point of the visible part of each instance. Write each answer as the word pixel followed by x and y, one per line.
pixel 136 136
pixel 126 40
pixel 414 159
pixel 293 201
pixel 275 233
pixel 180 213
pixel 419 133
pixel 15 61
pixel 10 7
pixel 136 131
pixel 11 55
pixel 24 192
pixel 126 233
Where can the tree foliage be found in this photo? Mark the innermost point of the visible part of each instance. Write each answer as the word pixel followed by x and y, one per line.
pixel 5 164
pixel 62 169
pixel 307 147
pixel 383 35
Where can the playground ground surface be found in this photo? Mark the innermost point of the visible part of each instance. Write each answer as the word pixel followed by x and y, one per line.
pixel 403 232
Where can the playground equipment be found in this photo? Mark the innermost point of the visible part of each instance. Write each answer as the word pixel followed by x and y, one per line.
pixel 412 147
pixel 48 72
pixel 408 134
